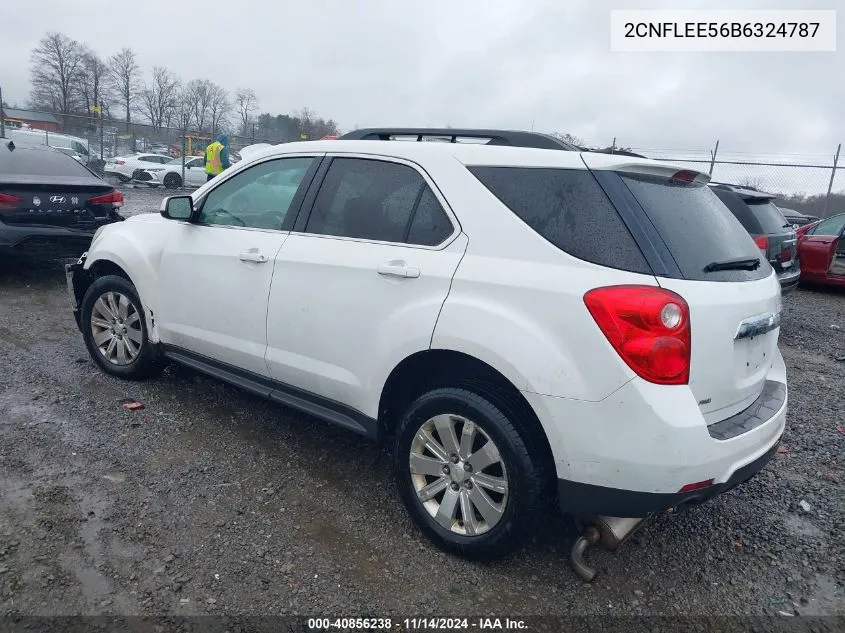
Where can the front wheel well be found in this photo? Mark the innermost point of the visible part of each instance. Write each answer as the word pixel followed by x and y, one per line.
pixel 434 369
pixel 98 269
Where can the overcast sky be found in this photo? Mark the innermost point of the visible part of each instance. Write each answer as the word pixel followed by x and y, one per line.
pixel 476 63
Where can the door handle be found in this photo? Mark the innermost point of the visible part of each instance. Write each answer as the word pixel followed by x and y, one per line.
pixel 253 255
pixel 398 269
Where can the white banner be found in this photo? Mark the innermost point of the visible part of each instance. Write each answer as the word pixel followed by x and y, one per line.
pixel 722 30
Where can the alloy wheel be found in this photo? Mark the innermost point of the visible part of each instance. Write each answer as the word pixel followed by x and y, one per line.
pixel 116 328
pixel 459 475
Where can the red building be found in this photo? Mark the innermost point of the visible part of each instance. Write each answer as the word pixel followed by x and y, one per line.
pixel 35 120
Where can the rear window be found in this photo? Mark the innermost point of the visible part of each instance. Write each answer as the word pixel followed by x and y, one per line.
pixel 769 216
pixel 569 209
pixel 696 227
pixel 23 161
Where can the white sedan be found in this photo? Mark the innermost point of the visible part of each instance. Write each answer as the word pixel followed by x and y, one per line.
pixel 170 173
pixel 124 166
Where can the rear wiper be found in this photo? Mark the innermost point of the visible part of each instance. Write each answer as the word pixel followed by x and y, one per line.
pixel 738 263
pixel 786 226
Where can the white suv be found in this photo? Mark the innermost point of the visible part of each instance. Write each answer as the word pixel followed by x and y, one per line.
pixel 520 324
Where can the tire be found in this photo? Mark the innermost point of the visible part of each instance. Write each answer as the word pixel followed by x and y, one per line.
pixel 172 181
pixel 95 317
pixel 514 514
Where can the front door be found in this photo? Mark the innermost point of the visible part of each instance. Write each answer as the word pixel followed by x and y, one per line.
pixel 818 248
pixel 360 288
pixel 216 270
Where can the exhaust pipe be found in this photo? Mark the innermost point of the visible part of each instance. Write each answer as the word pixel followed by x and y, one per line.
pixel 609 532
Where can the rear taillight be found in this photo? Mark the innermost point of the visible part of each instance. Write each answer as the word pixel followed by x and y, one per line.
pixel 648 327
pixel 115 198
pixel 762 242
pixel 8 201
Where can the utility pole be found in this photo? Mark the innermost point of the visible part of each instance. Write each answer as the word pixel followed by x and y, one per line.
pixel 832 176
pixel 2 116
pixel 713 157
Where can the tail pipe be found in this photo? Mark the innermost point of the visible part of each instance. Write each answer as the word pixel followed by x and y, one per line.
pixel 609 532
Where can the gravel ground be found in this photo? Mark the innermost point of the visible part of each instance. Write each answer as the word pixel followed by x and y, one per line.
pixel 211 500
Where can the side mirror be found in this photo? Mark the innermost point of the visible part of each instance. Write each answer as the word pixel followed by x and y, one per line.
pixel 177 208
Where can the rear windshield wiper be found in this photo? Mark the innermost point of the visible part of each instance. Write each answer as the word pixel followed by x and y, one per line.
pixel 786 226
pixel 738 263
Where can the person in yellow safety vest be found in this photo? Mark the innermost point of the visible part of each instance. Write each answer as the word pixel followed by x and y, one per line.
pixel 217 157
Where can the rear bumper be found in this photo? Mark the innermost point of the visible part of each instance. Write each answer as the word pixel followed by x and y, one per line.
pixel 789 280
pixel 632 453
pixel 44 242
pixel 586 499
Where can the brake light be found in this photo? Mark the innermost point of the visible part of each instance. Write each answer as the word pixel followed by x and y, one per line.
pixel 648 327
pixel 115 198
pixel 762 242
pixel 685 176
pixel 8 201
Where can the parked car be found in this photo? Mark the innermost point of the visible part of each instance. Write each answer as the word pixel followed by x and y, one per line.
pixel 170 174
pixel 508 351
pixel 122 167
pixel 796 218
pixel 23 137
pixel 821 250
pixel 774 236
pixel 50 204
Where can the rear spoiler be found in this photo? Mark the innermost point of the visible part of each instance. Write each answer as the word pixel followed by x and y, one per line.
pixel 623 164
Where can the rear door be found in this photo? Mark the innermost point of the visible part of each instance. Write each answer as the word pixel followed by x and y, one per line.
pixel 818 247
pixel 696 231
pixel 361 280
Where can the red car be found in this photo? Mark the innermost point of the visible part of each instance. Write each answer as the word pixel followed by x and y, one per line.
pixel 821 251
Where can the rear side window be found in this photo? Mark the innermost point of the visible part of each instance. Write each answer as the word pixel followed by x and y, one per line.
pixel 696 227
pixel 568 208
pixel 378 200
pixel 40 162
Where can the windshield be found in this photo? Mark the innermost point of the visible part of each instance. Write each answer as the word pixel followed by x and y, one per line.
pixel 177 161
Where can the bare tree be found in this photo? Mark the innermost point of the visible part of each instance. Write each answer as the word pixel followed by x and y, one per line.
pixel 200 94
pixel 569 138
pixel 55 73
pixel 126 79
pixel 95 87
pixel 247 103
pixel 220 107
pixel 159 97
pixel 184 111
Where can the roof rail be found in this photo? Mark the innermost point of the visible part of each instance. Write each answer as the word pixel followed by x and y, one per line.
pixel 496 137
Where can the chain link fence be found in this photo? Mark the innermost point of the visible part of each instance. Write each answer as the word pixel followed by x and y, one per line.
pixel 813 184
pixel 96 140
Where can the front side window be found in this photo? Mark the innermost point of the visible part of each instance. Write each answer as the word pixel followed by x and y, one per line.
pixel 831 226
pixel 377 200
pixel 258 197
